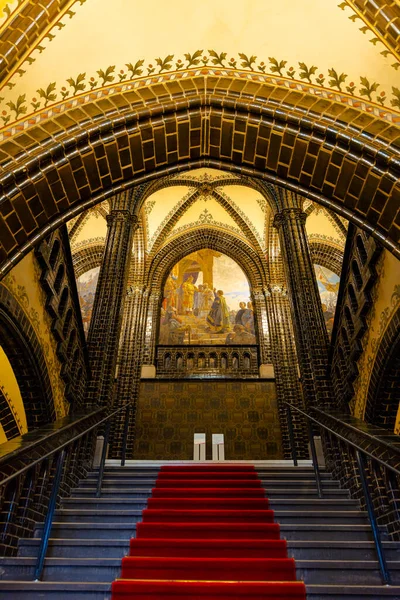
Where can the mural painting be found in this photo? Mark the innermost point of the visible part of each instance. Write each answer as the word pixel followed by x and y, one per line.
pixel 207 301
pixel 86 285
pixel 328 285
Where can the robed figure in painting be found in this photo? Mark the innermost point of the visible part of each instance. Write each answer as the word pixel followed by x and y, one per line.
pixel 218 317
pixel 188 289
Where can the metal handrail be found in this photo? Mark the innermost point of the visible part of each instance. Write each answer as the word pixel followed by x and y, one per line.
pixel 360 457
pixel 61 449
pixel 344 439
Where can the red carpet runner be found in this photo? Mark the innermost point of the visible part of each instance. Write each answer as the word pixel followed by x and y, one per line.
pixel 208 533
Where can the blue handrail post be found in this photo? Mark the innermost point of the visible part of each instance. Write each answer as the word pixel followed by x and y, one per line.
pixel 372 519
pixel 49 516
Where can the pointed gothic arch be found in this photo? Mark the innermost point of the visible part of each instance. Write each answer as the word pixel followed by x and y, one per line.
pixel 325 150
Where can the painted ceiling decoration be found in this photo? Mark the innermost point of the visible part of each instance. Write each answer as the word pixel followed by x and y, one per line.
pixel 309 46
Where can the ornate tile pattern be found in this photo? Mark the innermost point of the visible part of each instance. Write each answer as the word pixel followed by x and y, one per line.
pixel 170 412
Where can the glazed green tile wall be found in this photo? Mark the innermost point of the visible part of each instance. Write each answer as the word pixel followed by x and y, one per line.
pixel 170 412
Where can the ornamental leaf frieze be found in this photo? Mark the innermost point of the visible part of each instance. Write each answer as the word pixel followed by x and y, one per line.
pixel 198 223
pixel 111 79
pixel 321 237
pixel 89 242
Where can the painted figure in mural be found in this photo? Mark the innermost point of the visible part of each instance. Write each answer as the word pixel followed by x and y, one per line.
pixel 169 292
pixel 172 330
pixel 248 318
pixel 198 300
pixel 188 290
pixel 218 317
pixel 207 300
pixel 240 312
pixel 240 336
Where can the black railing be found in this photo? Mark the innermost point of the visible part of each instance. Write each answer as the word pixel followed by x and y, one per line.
pixel 43 462
pixel 364 447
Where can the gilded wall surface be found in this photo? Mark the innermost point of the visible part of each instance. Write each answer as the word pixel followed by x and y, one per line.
pixel 386 297
pixel 10 393
pixel 23 283
pixel 170 412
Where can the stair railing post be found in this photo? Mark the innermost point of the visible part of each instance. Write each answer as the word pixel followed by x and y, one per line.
pixel 103 458
pixel 125 436
pixel 372 519
pixel 291 435
pixel 314 458
pixel 49 516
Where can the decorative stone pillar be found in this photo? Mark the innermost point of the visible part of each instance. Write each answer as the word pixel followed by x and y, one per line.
pixel 105 324
pixel 262 324
pixel 308 320
pixel 285 363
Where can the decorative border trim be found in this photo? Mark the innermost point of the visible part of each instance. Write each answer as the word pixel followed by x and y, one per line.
pixel 20 107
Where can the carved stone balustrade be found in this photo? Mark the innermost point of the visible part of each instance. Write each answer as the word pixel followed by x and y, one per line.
pixel 207 361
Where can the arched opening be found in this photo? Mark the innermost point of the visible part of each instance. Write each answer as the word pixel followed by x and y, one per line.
pixel 86 284
pixel 24 355
pixel 328 286
pixel 245 120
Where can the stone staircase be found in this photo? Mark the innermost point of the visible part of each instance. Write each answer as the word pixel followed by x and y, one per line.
pixel 330 538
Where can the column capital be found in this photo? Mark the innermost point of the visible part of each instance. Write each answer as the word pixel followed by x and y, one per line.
pixel 289 213
pixel 122 215
pixel 275 289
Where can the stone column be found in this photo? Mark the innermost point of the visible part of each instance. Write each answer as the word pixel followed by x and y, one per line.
pixel 285 363
pixel 308 320
pixel 262 324
pixel 105 324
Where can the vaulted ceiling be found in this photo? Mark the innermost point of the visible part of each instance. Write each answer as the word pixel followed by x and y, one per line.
pixel 201 197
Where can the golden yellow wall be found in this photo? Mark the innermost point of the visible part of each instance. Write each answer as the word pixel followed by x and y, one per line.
pixel 23 283
pixel 10 389
pixel 386 298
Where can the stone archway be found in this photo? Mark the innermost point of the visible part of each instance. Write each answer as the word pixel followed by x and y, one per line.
pixel 27 360
pixel 87 257
pixel 323 149
pixel 327 255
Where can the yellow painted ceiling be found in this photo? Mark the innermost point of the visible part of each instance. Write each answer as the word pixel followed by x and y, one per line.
pixel 103 34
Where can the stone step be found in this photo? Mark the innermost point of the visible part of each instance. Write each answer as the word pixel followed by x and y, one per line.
pixel 290 531
pixel 281 516
pixel 335 532
pixel 117 492
pixel 302 504
pixel 262 474
pixel 302 549
pixel 266 483
pixel 64 590
pixel 322 572
pixel 100 531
